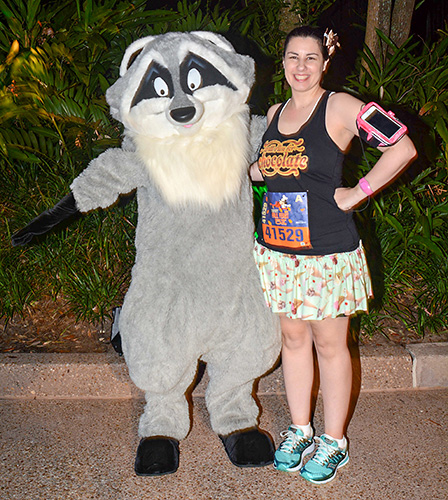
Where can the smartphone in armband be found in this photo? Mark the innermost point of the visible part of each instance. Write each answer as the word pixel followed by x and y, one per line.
pixel 378 127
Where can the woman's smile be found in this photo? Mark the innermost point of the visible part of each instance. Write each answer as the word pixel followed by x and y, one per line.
pixel 301 78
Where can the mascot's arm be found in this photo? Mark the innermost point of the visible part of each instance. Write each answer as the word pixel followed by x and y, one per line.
pixel 258 125
pixel 99 185
pixel 114 172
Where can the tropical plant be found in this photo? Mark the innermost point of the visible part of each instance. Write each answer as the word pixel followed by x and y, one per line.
pixel 410 217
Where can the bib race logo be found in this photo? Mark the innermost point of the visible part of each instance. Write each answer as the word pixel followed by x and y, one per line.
pixel 284 158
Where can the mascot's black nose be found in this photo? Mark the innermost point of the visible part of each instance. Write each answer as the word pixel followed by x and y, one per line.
pixel 183 115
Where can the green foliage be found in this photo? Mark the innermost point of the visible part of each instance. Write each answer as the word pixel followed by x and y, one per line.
pixel 410 217
pixel 191 17
pixel 309 11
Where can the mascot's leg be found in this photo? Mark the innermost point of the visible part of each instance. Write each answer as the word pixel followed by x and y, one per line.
pixel 165 421
pixel 234 416
pixel 164 369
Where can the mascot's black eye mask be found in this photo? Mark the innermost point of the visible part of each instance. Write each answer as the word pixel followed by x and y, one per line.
pixel 157 82
pixel 194 73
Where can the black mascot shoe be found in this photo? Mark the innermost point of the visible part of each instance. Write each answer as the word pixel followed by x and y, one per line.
pixel 157 456
pixel 249 448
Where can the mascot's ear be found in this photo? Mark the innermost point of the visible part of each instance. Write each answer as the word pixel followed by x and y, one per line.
pixel 218 40
pixel 132 52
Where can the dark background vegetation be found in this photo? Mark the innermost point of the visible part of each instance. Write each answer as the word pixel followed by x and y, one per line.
pixel 57 59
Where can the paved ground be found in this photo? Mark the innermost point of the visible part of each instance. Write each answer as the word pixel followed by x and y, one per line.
pixel 82 449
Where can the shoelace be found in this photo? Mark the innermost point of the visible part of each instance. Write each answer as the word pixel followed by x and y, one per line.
pixel 291 440
pixel 325 453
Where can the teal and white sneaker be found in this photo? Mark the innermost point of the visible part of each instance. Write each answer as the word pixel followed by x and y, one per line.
pixel 295 446
pixel 322 467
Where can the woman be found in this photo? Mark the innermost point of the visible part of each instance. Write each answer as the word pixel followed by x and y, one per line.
pixel 312 264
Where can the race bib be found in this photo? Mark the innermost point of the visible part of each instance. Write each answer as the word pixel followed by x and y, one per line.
pixel 284 220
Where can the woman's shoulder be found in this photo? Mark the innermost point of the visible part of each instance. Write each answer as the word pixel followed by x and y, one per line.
pixel 343 102
pixel 342 111
pixel 343 98
pixel 272 110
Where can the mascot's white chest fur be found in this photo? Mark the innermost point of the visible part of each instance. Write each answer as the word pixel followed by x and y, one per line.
pixel 204 169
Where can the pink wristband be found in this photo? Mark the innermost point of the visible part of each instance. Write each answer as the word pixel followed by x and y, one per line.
pixel 365 186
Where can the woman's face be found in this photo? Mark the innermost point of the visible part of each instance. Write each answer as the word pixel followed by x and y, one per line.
pixel 303 63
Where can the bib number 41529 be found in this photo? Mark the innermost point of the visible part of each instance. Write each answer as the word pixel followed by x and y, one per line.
pixel 285 220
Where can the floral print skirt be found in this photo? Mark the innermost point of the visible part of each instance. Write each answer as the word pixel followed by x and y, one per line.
pixel 314 287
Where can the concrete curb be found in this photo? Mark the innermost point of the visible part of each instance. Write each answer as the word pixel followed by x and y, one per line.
pixel 430 364
pixel 52 376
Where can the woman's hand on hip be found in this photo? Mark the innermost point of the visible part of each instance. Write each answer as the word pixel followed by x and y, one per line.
pixel 348 198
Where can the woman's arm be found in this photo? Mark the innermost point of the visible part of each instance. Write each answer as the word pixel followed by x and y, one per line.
pixel 393 161
pixel 254 171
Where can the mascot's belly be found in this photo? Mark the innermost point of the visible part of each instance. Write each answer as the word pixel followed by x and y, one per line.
pixel 195 286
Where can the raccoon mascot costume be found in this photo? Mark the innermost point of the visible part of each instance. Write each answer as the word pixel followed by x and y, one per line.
pixel 195 292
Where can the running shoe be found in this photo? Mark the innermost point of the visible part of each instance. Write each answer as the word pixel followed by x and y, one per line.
pixel 322 467
pixel 294 447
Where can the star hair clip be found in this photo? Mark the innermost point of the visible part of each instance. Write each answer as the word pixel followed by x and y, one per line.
pixel 331 41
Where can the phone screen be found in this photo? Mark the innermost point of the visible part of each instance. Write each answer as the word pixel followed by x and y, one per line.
pixel 382 123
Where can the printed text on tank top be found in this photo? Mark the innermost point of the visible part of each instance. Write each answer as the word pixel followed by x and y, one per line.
pixel 286 157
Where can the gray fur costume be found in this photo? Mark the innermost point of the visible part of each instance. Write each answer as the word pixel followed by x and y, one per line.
pixel 195 292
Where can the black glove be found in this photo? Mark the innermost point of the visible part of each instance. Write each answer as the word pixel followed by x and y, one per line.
pixel 63 209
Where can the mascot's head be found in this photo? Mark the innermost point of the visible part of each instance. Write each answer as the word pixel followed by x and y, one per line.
pixel 182 100
pixel 178 83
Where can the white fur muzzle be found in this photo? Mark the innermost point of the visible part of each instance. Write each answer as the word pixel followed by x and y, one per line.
pixel 204 169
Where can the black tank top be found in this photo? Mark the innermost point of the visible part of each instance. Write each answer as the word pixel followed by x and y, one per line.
pixel 310 161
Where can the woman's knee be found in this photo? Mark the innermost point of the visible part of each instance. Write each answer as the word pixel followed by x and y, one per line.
pixel 330 338
pixel 296 334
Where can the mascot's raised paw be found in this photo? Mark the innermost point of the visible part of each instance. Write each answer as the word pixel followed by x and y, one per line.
pixel 157 456
pixel 249 448
pixel 44 222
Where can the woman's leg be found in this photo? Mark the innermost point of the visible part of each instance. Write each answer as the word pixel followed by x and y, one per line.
pixel 335 369
pixel 298 367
